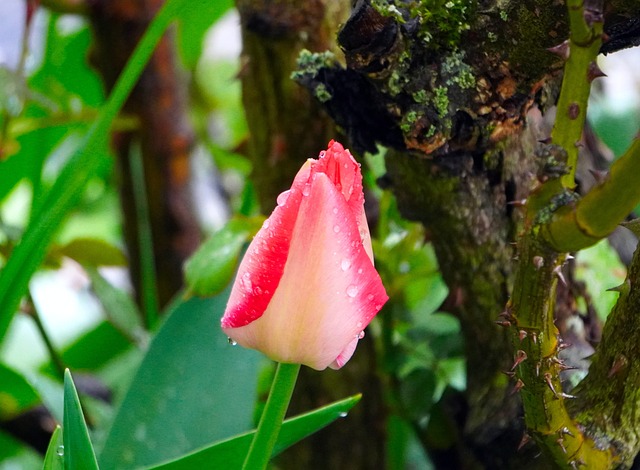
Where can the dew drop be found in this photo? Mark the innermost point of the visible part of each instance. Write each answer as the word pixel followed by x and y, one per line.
pixel 232 342
pixel 265 224
pixel 346 264
pixel 336 228
pixel 343 414
pixel 360 271
pixel 246 283
pixel 60 450
pixel 370 297
pixel 335 210
pixel 352 290
pixel 306 190
pixel 282 198
pixel 377 306
pixel 346 166
pixel 322 154
pixel 257 290
pixel 359 324
pixel 361 334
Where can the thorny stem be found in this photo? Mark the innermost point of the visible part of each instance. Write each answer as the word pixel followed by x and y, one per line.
pixel 580 69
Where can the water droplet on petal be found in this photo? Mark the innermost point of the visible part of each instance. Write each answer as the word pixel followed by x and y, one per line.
pixel 352 290
pixel 232 342
pixel 306 190
pixel 257 290
pixel 322 154
pixel 346 264
pixel 370 297
pixel 359 324
pixel 346 165
pixel 245 281
pixel 335 210
pixel 336 228
pixel 282 198
pixel 60 450
pixel 360 271
pixel 265 224
pixel 361 334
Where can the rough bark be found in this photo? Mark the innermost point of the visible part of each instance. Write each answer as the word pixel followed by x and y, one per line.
pixel 456 92
pixel 163 137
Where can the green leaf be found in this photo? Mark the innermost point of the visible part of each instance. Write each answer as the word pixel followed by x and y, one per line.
pixel 91 252
pixel 16 394
pixel 212 266
pixel 192 388
pixel 78 451
pixel 197 18
pixel 229 454
pixel 119 307
pixel 54 458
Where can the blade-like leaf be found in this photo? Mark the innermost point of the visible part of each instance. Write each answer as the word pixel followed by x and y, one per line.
pixel 65 194
pixel 192 388
pixel 91 252
pixel 230 454
pixel 78 451
pixel 54 458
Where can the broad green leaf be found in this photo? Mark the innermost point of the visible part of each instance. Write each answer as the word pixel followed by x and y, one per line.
pixel 78 451
pixel 197 18
pixel 70 184
pixel 192 388
pixel 93 349
pixel 54 458
pixel 16 394
pixel 119 307
pixel 212 266
pixel 91 252
pixel 229 454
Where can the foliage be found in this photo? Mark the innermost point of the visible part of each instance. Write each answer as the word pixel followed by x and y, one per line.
pixel 178 394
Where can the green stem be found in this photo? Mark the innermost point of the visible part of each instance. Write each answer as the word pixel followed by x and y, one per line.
pixel 272 416
pixel 53 353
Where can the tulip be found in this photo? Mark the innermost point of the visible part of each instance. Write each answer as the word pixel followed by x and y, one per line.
pixel 307 287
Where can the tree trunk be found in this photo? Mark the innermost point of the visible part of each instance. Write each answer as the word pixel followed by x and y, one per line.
pixel 163 139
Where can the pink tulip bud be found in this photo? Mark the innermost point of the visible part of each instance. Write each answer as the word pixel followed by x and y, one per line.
pixel 307 287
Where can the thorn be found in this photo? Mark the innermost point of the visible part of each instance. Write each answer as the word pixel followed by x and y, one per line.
pixel 605 38
pixel 520 203
pixel 509 373
pixel 561 50
pixel 594 72
pixel 621 288
pixel 565 431
pixel 560 442
pixel 520 356
pixel 578 144
pixel 599 176
pixel 522 335
pixel 506 314
pixel 538 262
pixel 545 141
pixel 517 387
pixel 534 337
pixel 524 441
pixel 569 257
pixel 566 395
pixel 547 379
pixel 558 272
pixel 537 369
pixel 563 345
pixel 618 364
pixel 516 258
pixel 503 323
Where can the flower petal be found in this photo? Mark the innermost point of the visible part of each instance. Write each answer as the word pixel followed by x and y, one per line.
pixel 329 290
pixel 261 268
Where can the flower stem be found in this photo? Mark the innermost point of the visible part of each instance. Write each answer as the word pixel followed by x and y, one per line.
pixel 272 416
